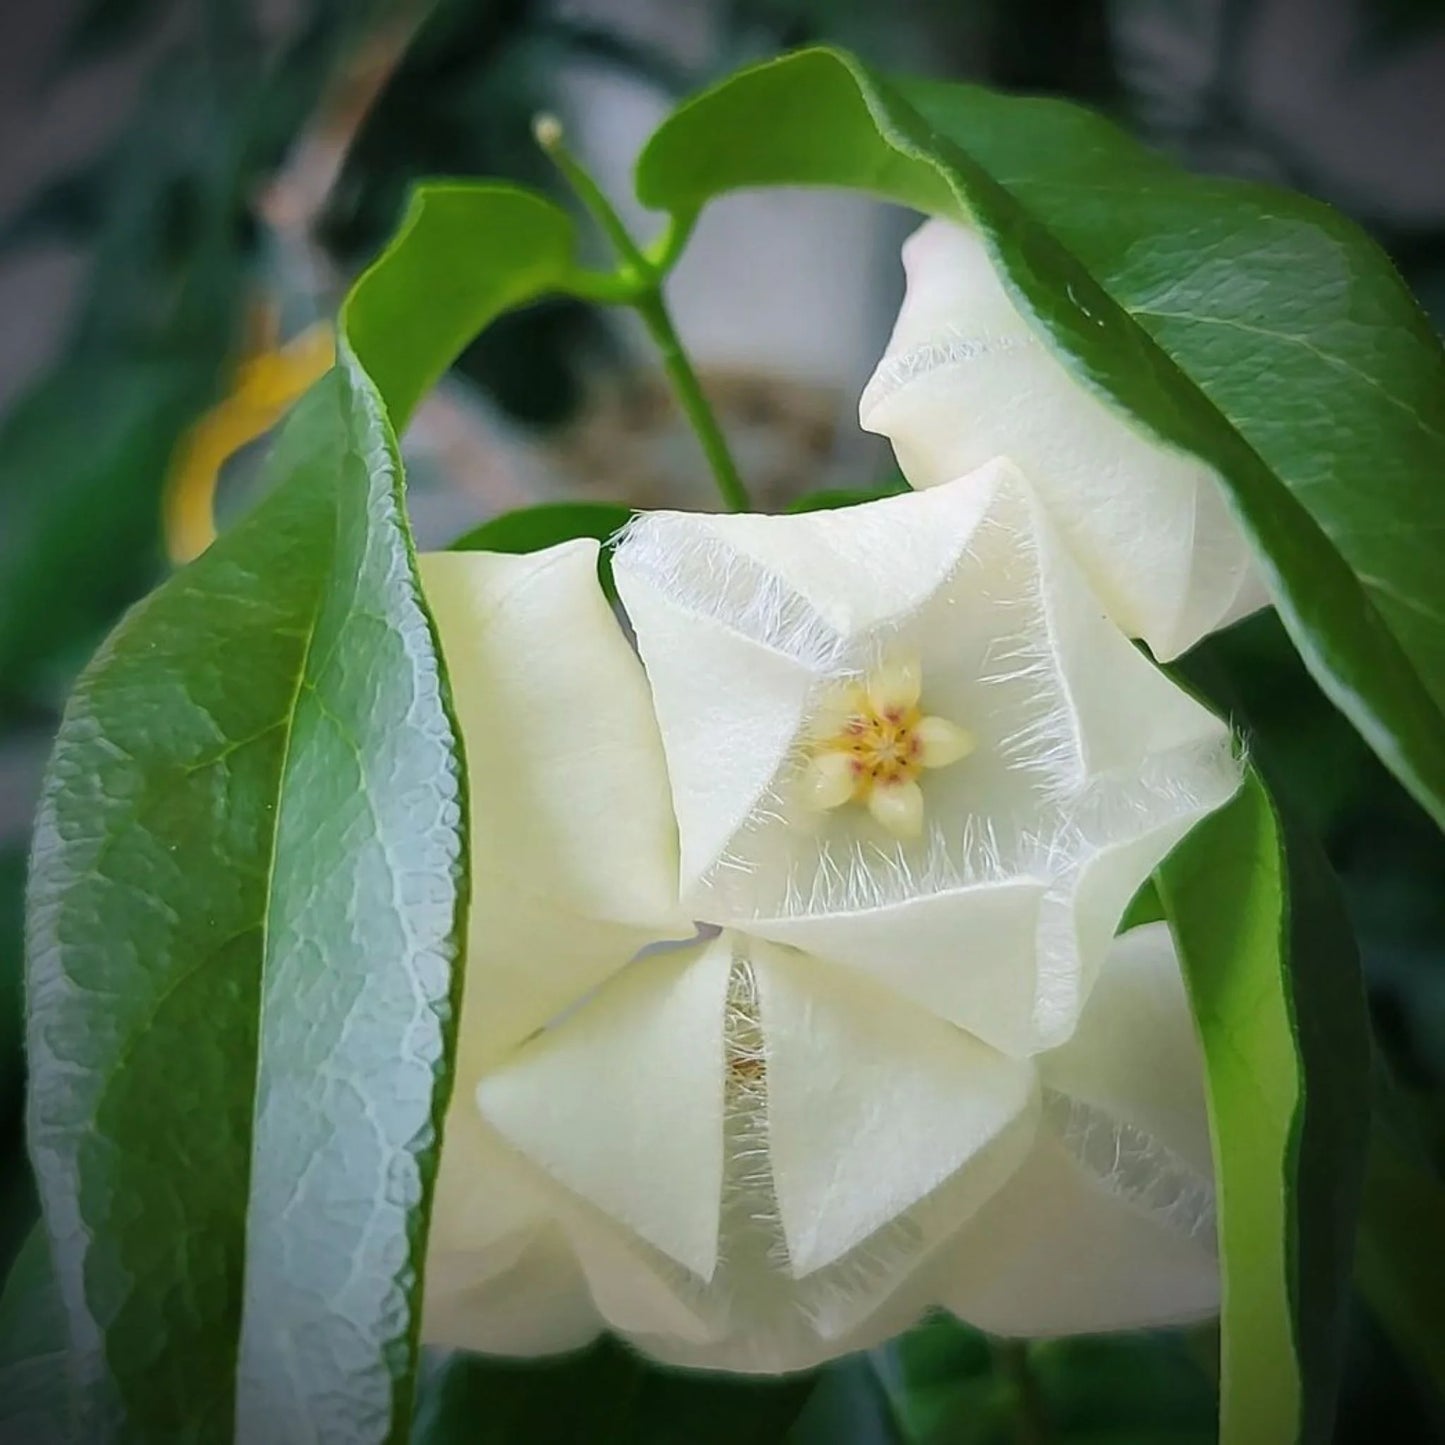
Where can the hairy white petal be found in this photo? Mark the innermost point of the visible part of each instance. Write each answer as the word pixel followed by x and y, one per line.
pixel 574 856
pixel 857 1133
pixel 622 1100
pixel 872 1103
pixel 1110 1222
pixel 967 377
pixel 965 953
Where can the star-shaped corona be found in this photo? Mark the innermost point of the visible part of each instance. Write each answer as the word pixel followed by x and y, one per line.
pixel 871 742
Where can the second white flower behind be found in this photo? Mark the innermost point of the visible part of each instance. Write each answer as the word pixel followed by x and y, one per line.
pixel 968 376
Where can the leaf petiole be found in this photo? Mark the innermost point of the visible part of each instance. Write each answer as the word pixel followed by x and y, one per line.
pixel 638 283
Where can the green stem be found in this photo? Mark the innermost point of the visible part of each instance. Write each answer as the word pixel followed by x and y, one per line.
pixel 1031 1418
pixel 639 285
pixel 653 310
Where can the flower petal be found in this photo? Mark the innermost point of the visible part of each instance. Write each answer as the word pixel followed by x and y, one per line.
pixel 967 377
pixel 537 1305
pixel 574 859
pixel 622 1101
pixel 829 781
pixel 872 1104
pixel 896 685
pixel 1110 1223
pixel 966 954
pixel 851 569
pixel 721 759
pixel 499 1277
pixel 1135 1055
pixel 756 1313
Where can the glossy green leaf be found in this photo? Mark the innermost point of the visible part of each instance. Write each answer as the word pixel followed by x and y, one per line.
pixel 1274 981
pixel 530 529
pixel 464 254
pixel 246 897
pixel 605 1395
pixel 1252 328
pixel 35 1402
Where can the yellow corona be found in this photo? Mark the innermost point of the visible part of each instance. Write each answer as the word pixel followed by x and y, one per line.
pixel 870 743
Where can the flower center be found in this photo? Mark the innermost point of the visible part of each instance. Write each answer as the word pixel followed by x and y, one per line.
pixel 871 741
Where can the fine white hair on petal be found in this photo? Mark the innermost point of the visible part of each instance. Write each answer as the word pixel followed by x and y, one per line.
pixel 1133 1166
pixel 670 551
pixel 1047 743
pixel 760 1317
pixel 951 347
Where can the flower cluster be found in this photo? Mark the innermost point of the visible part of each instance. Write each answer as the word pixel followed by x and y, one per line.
pixel 793 1002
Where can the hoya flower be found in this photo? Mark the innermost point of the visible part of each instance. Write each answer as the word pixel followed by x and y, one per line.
pixel 916 776
pixel 967 377
pixel 905 739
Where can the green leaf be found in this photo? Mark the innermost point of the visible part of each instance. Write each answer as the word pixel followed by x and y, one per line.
pixel 530 529
pixel 604 1395
pixel 463 255
pixel 35 1402
pixel 952 1386
pixel 1255 329
pixel 247 894
pixel 12 1063
pixel 831 500
pixel 1400 1268
pixel 1273 977
pixel 944 1387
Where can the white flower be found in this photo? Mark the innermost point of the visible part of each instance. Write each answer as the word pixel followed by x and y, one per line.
pixel 967 377
pixel 916 775
pixel 1069 764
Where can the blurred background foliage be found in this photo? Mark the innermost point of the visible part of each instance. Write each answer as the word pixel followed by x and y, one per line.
pixel 189 184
